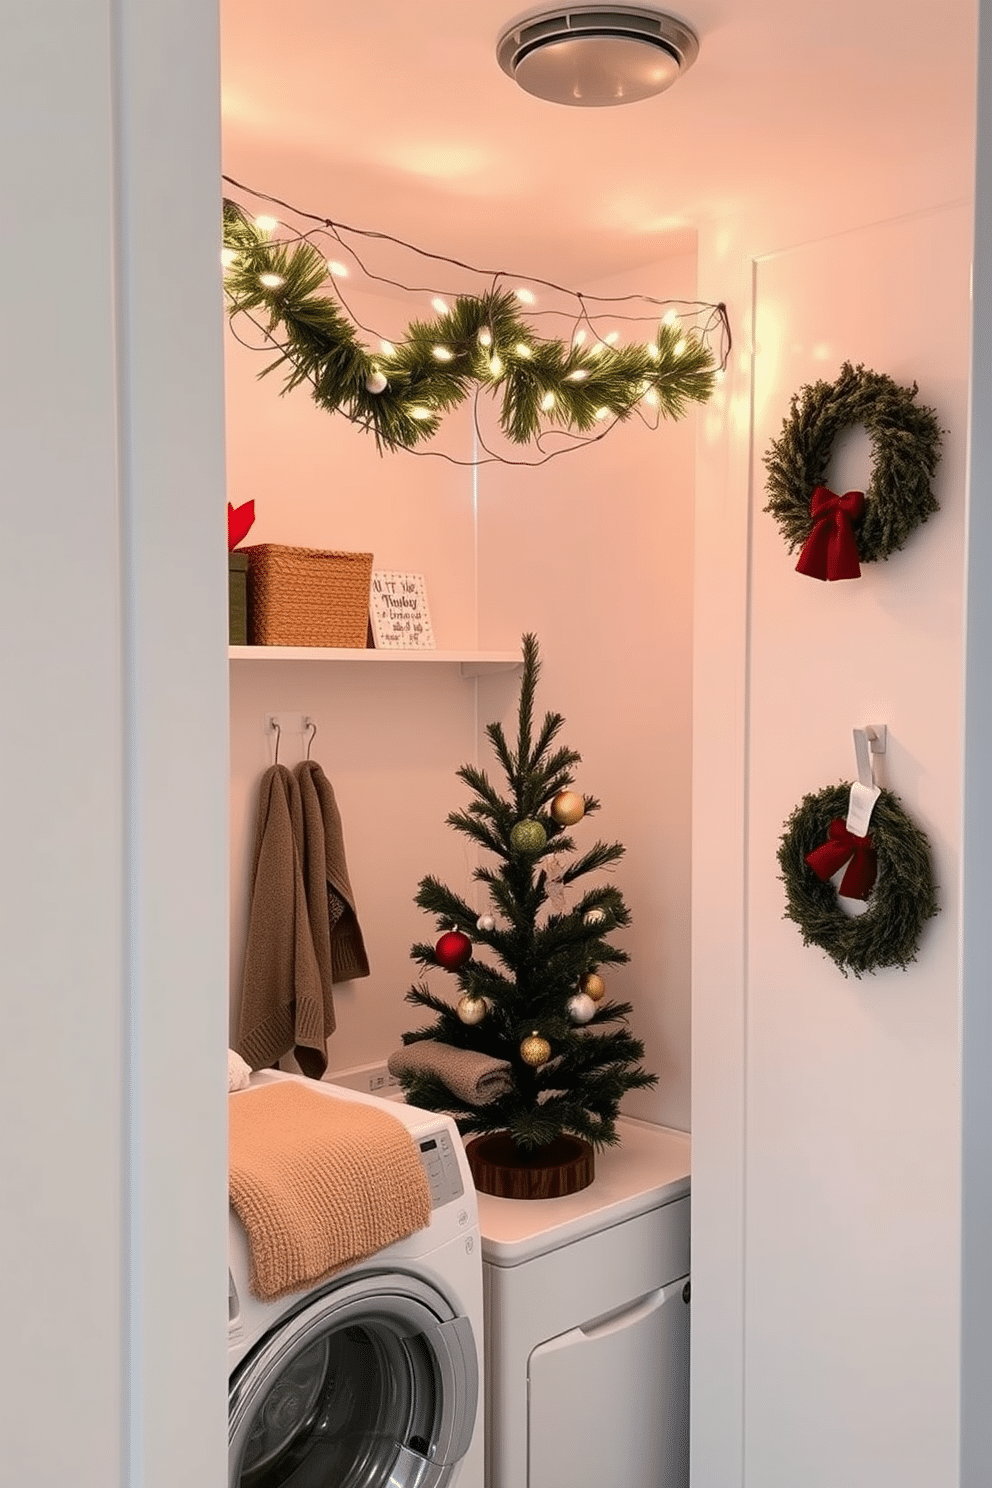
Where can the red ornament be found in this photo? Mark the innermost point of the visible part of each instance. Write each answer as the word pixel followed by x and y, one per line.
pixel 453 950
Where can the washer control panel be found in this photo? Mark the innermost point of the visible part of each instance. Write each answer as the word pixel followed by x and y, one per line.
pixel 440 1163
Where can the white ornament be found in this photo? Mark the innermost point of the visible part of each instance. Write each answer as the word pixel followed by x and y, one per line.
pixel 376 382
pixel 472 1009
pixel 594 917
pixel 581 1008
pixel 485 922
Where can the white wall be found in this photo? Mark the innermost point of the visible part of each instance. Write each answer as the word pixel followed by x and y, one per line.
pixel 113 795
pixel 826 1119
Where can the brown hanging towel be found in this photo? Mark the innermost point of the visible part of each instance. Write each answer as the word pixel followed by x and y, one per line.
pixel 337 935
pixel 283 1002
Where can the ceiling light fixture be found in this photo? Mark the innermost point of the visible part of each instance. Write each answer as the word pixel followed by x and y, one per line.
pixel 597 56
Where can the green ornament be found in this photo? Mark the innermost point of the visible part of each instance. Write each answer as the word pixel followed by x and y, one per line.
pixel 528 836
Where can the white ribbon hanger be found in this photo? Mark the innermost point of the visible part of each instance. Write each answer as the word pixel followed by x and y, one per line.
pixel 868 741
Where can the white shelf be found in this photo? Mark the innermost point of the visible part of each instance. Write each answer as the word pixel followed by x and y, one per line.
pixel 472 663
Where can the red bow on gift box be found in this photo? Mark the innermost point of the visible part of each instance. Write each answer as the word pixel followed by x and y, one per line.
pixel 239 521
pixel 830 551
pixel 841 845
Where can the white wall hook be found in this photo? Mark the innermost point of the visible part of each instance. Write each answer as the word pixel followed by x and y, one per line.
pixel 868 741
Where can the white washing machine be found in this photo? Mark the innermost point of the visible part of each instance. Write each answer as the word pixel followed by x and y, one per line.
pixel 587 1324
pixel 373 1379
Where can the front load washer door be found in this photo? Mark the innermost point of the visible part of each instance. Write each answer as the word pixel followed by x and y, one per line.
pixel 370 1384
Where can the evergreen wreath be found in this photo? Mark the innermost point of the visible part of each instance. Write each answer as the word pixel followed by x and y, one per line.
pixel 481 343
pixel 902 900
pixel 905 441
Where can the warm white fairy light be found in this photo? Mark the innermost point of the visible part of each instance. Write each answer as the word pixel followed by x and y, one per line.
pixel 680 347
pixel 227 257
pixel 337 269
pixel 612 338
pixel 419 412
pixel 548 402
pixel 439 305
pixel 669 317
pixel 526 296
pixel 485 337
pixel 266 224
pixel 522 349
pixel 597 348
pixel 653 351
pixel 719 374
pixel 442 353
pixel 495 365
pixel 387 347
pixel 579 375
pixel 579 338
pixel 603 413
pixel 271 281
pixel 651 397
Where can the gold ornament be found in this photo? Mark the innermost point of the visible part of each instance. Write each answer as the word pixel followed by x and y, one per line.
pixel 567 808
pixel 592 984
pixel 528 836
pixel 471 1009
pixel 535 1050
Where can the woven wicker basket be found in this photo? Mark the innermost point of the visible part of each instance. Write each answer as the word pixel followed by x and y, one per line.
pixel 307 596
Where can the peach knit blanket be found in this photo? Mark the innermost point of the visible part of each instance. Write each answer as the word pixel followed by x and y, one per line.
pixel 318 1183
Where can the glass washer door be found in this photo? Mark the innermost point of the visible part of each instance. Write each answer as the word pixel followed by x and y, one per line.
pixel 371 1383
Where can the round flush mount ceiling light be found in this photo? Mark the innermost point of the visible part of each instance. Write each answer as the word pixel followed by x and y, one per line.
pixel 597 56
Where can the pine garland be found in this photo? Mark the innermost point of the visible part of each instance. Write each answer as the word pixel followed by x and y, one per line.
pixel 905 442
pixel 481 343
pixel 903 898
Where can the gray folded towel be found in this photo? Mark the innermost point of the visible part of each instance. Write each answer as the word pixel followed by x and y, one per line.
pixel 477 1079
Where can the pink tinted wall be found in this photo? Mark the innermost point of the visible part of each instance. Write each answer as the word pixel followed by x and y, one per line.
pixel 593 552
pixel 389 736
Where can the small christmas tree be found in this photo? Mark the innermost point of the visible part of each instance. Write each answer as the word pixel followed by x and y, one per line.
pixel 531 996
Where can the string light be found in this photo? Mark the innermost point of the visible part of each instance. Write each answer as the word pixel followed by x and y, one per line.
pixel 623 377
pixel 227 257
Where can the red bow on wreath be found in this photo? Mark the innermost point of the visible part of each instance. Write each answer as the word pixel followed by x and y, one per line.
pixel 841 845
pixel 830 551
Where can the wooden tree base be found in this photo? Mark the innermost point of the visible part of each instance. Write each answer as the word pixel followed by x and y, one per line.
pixel 500 1167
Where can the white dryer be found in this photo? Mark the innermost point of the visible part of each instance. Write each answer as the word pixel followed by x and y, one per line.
pixel 373 1379
pixel 587 1324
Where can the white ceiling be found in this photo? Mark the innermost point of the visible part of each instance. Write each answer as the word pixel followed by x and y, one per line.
pixel 393 115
